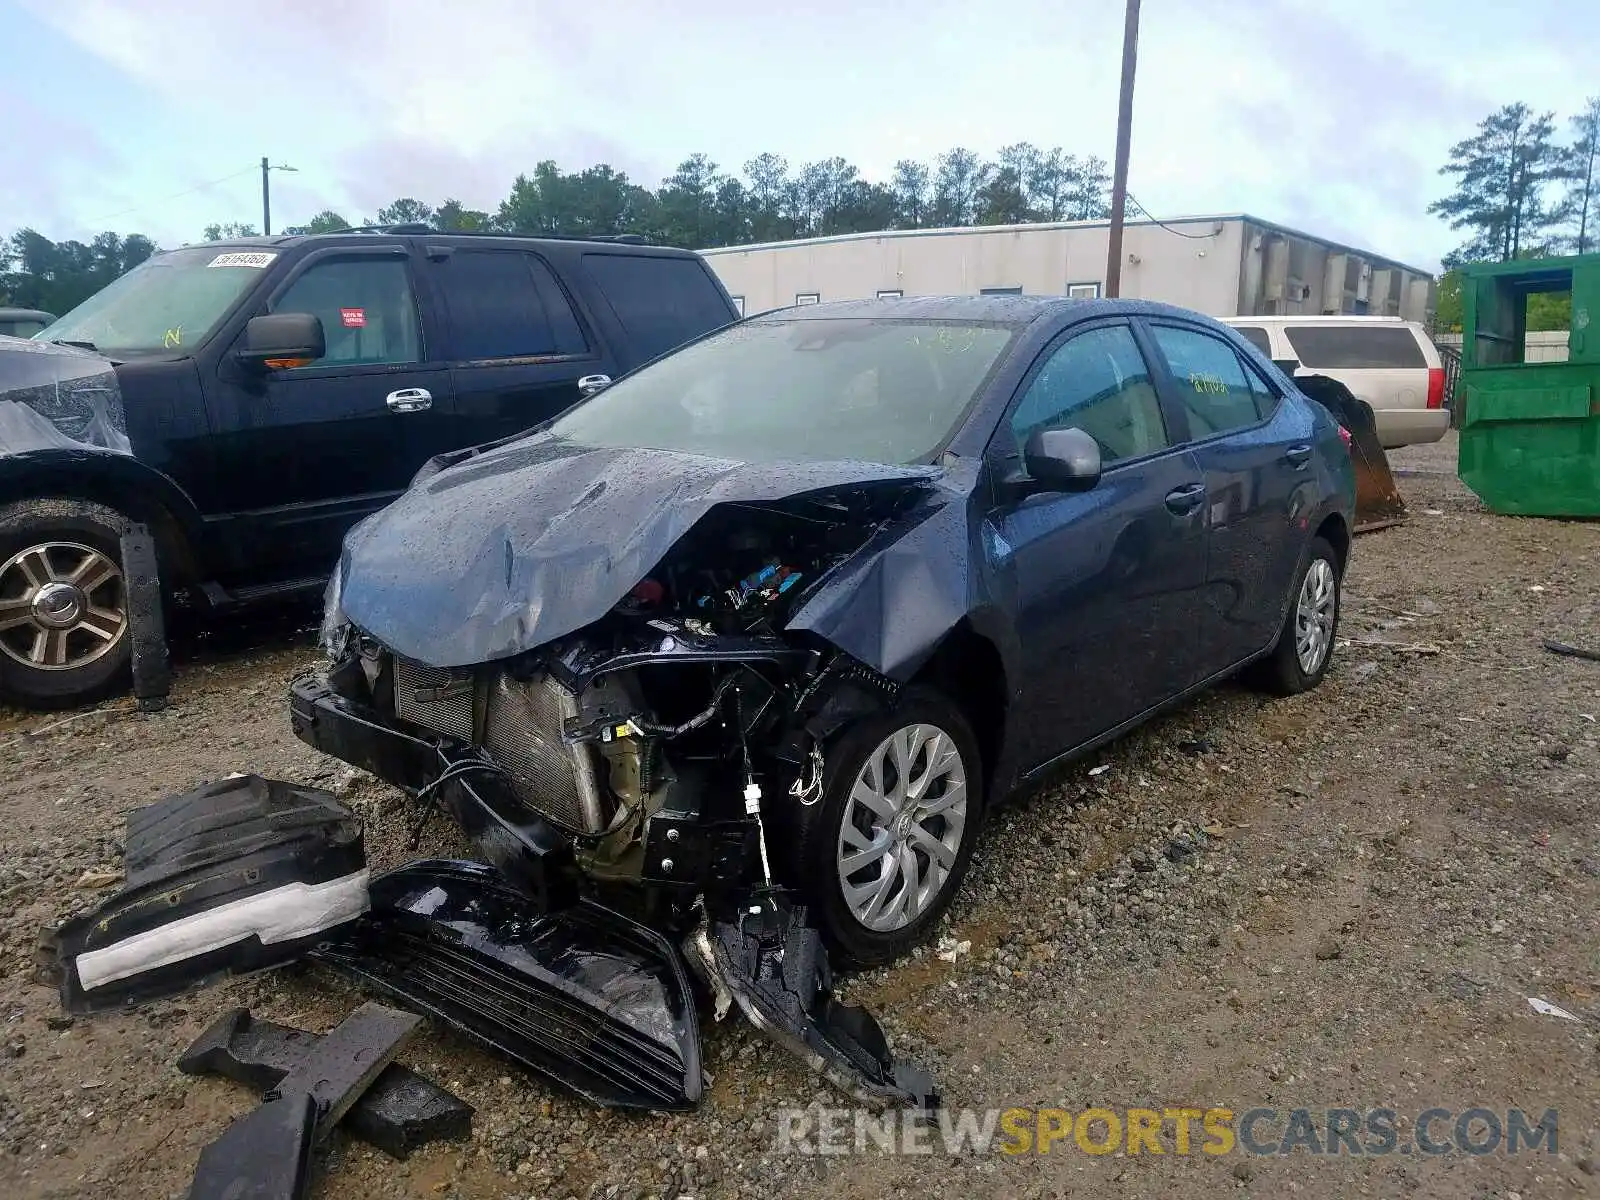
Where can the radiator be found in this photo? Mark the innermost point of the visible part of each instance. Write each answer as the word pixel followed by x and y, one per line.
pixel 522 734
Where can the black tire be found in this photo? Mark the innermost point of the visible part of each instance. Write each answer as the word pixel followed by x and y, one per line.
pixel 819 829
pixel 1282 673
pixel 30 524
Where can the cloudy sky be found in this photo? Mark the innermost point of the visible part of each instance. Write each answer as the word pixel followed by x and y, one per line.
pixel 1333 117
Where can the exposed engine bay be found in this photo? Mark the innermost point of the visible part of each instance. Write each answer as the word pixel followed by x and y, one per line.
pixel 656 760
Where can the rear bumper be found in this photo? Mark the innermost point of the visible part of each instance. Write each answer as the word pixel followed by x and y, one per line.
pixel 528 850
pixel 1410 426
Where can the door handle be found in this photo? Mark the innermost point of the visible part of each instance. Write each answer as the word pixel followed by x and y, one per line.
pixel 1184 500
pixel 410 400
pixel 1298 456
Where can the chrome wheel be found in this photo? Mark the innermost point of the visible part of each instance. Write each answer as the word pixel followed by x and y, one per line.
pixel 62 606
pixel 1313 616
pixel 902 828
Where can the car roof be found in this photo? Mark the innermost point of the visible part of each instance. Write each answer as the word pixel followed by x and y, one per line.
pixel 603 244
pixel 1000 310
pixel 1319 319
pixel 25 314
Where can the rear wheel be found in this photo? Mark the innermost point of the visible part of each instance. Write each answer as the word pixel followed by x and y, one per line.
pixel 64 632
pixel 1305 645
pixel 883 852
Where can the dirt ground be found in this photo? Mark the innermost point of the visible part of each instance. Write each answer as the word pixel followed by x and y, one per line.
pixel 1344 900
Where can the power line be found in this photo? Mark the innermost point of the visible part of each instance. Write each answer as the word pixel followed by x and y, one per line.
pixel 1193 237
pixel 199 187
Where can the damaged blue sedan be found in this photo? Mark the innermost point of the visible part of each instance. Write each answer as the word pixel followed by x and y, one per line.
pixel 742 648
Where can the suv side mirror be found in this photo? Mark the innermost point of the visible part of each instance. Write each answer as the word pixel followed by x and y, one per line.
pixel 1062 460
pixel 288 335
pixel 1287 365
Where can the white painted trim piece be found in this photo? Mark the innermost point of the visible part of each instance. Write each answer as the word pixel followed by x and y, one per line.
pixel 294 910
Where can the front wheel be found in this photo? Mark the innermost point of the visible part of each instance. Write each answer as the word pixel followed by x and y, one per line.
pixel 1304 648
pixel 885 849
pixel 64 631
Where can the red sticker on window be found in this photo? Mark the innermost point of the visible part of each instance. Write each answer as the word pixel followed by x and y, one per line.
pixel 353 318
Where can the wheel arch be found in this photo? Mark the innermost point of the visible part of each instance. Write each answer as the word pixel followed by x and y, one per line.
pixel 119 482
pixel 969 669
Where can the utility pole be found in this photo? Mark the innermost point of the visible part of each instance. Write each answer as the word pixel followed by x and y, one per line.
pixel 266 194
pixel 1119 172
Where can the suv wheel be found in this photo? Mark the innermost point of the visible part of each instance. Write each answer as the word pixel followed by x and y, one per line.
pixel 884 850
pixel 64 635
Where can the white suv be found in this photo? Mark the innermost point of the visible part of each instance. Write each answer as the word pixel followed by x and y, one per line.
pixel 1391 364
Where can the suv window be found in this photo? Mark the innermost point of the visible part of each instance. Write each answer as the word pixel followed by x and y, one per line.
pixel 367 309
pixel 661 301
pixel 1099 382
pixel 1212 384
pixel 1333 347
pixel 506 304
pixel 1256 336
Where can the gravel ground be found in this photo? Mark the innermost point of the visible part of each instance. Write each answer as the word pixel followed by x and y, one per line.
pixel 1344 899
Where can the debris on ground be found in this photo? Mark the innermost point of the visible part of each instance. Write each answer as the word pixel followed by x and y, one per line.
pixel 1562 648
pixel 1545 1009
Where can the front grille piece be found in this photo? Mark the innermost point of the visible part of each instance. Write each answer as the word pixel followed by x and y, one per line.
pixel 522 734
pixel 434 697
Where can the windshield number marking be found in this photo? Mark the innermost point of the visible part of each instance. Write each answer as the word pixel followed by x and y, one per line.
pixel 240 258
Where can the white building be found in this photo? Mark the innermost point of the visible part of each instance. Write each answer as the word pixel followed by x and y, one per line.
pixel 1225 266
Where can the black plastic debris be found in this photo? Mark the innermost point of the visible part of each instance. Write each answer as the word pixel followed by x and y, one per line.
pixel 772 963
pixel 235 876
pixel 266 1154
pixel 584 996
pixel 152 666
pixel 263 1156
pixel 401 1112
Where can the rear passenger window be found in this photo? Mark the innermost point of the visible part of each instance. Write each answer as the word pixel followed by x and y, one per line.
pixel 1335 347
pixel 1216 391
pixel 661 301
pixel 506 304
pixel 1256 336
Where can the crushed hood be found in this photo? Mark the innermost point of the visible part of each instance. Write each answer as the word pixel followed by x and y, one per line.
pixel 528 541
pixel 58 398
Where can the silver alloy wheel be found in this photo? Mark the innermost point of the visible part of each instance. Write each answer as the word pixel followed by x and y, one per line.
pixel 902 827
pixel 1313 616
pixel 62 606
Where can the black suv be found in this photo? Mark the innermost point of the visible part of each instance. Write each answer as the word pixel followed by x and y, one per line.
pixel 251 400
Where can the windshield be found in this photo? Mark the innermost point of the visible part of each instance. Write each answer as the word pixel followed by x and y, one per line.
pixel 889 391
pixel 169 302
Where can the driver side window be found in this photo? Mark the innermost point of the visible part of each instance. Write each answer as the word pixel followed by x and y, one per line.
pixel 368 314
pixel 1099 382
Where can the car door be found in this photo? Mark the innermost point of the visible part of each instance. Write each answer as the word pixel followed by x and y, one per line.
pixel 1255 454
pixel 517 349
pixel 1105 579
pixel 314 448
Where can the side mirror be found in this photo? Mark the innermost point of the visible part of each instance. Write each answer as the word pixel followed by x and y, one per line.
pixel 1062 460
pixel 289 335
pixel 1287 365
pixel 590 384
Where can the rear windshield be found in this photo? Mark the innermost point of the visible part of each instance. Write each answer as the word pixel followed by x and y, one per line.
pixel 661 301
pixel 1332 347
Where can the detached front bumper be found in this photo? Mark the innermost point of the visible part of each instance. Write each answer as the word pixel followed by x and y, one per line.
pixel 529 851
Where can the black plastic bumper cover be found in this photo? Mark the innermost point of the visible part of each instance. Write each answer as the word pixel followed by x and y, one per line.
pixel 584 996
pixel 235 876
pixel 772 962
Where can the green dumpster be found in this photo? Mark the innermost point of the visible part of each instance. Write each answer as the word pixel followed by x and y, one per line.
pixel 1530 431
